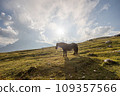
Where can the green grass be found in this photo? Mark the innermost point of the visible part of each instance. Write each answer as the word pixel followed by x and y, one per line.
pixel 48 63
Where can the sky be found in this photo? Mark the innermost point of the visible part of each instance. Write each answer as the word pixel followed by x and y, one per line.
pixel 52 21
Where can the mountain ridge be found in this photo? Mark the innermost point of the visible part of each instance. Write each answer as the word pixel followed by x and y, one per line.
pixel 23 45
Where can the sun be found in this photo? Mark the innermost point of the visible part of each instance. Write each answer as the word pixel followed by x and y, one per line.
pixel 60 31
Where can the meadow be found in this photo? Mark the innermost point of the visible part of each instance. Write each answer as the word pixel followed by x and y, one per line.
pixel 49 64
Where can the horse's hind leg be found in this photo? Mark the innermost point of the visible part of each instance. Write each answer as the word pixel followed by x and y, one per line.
pixel 75 51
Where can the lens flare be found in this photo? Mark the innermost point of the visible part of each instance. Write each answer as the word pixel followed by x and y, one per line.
pixel 60 31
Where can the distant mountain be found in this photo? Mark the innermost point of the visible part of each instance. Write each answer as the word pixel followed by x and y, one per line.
pixel 1 46
pixel 27 44
pixel 117 34
pixel 23 45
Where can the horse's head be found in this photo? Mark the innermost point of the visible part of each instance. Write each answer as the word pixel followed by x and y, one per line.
pixel 56 46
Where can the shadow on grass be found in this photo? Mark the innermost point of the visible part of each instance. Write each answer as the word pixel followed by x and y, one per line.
pixel 41 73
pixel 78 68
pixel 84 68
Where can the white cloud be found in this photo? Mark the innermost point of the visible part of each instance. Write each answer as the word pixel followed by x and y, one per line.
pixel 6 19
pixel 2 14
pixel 7 34
pixel 105 7
pixel 39 14
pixel 5 41
pixel 40 20
pixel 34 14
pixel 99 31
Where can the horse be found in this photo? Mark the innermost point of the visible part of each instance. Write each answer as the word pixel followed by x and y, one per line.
pixel 67 47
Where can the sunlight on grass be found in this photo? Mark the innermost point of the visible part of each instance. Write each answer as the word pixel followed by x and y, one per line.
pixel 49 64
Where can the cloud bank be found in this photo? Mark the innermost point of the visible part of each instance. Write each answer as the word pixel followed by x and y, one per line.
pixel 7 34
pixel 51 21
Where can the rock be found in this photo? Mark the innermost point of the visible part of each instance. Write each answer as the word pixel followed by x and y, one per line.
pixel 27 64
pixel 70 76
pixel 83 73
pixel 110 46
pixel 117 51
pixel 52 79
pixel 109 62
pixel 91 54
pixel 48 63
pixel 108 42
pixel 83 77
pixel 99 48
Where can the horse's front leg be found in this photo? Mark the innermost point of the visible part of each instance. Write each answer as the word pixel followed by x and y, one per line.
pixel 74 53
pixel 64 53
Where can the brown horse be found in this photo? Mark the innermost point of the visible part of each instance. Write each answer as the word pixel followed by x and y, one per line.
pixel 68 47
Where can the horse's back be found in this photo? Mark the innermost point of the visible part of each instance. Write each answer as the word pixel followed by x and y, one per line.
pixel 66 46
pixel 74 44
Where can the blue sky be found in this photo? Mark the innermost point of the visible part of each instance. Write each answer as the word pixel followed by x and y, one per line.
pixel 51 21
pixel 111 16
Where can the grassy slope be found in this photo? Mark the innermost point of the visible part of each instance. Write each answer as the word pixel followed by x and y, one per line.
pixel 47 63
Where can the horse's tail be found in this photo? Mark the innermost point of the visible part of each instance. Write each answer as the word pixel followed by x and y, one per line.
pixel 76 48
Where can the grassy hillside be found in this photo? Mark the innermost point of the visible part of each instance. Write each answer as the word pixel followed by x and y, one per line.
pixel 48 63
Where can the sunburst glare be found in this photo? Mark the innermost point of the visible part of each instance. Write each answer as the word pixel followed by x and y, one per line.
pixel 60 31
